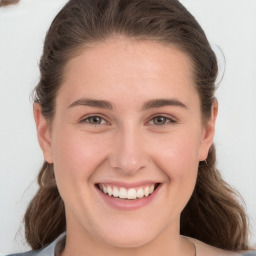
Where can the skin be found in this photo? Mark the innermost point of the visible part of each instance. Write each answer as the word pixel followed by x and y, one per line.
pixel 127 144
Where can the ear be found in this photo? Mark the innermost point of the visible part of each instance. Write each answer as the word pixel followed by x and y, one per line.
pixel 43 132
pixel 208 133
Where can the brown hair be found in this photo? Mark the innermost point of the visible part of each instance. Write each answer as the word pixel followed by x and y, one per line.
pixel 213 214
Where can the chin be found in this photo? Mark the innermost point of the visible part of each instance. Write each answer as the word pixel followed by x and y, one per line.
pixel 131 241
pixel 128 236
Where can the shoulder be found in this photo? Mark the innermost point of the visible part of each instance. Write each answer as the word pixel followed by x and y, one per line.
pixel 249 253
pixel 205 249
pixel 30 253
pixel 47 251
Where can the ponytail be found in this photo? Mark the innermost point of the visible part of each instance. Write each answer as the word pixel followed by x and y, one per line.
pixel 45 216
pixel 214 214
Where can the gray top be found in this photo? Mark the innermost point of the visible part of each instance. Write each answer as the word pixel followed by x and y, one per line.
pixel 53 249
pixel 252 253
pixel 56 247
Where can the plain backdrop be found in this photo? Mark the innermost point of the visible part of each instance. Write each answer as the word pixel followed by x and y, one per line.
pixel 230 26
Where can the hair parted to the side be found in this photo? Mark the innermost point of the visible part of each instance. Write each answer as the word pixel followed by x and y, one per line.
pixel 214 214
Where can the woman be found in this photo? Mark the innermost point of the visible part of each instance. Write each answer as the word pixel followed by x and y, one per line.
pixel 125 113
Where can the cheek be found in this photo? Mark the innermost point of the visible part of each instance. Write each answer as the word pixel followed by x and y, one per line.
pixel 76 155
pixel 177 158
pixel 178 155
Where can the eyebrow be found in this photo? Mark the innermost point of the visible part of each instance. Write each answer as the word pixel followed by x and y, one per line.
pixel 91 103
pixel 156 103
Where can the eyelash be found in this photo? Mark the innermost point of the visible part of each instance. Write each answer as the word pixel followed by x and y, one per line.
pixel 167 120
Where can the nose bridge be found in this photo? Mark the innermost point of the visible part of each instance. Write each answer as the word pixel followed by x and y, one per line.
pixel 127 153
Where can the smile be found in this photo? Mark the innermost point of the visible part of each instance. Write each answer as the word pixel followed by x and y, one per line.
pixel 128 194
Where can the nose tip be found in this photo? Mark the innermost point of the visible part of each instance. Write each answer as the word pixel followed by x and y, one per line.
pixel 128 155
pixel 129 165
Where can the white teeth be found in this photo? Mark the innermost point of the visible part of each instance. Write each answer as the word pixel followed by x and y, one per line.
pixel 109 191
pixel 115 192
pixel 140 193
pixel 131 193
pixel 124 193
pixel 104 189
pixel 146 191
pixel 151 189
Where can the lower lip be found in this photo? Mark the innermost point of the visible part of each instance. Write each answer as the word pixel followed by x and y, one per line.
pixel 135 204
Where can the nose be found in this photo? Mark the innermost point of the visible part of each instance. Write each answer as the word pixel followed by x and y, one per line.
pixel 128 154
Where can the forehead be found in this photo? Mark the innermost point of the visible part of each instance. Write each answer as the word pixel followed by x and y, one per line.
pixel 122 66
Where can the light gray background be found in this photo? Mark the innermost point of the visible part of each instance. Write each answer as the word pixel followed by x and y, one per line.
pixel 229 24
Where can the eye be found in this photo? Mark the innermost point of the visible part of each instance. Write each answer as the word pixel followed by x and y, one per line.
pixel 161 121
pixel 95 120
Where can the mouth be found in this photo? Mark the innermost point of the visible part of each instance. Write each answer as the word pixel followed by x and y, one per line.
pixel 127 193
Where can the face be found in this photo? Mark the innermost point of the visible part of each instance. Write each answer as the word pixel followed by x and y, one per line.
pixel 125 141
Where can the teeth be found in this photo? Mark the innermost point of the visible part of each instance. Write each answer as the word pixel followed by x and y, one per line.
pixel 109 191
pixel 151 189
pixel 124 193
pixel 146 191
pixel 140 193
pixel 115 192
pixel 131 193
